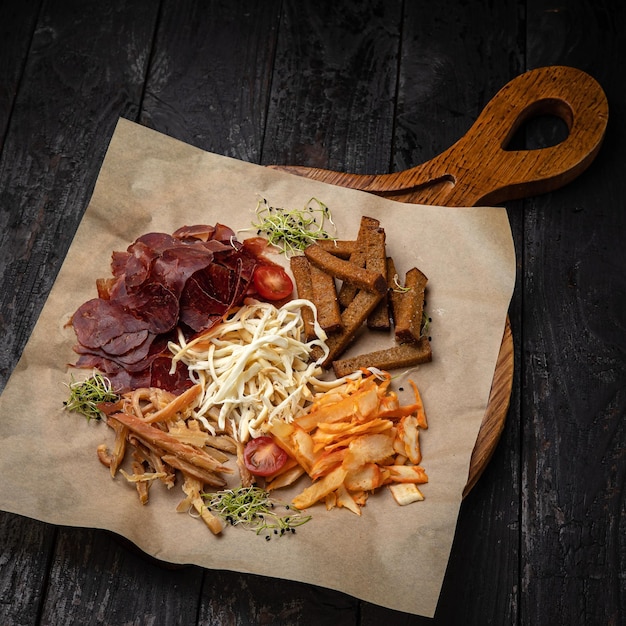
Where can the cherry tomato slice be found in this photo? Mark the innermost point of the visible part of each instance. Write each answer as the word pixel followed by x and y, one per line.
pixel 272 282
pixel 262 457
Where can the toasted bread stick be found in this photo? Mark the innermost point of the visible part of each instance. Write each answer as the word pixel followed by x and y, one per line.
pixel 352 319
pixel 408 306
pixel 325 300
pixel 361 277
pixel 376 260
pixel 347 292
pixel 300 268
pixel 403 355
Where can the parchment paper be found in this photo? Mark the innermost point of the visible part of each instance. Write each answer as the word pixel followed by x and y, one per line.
pixel 392 556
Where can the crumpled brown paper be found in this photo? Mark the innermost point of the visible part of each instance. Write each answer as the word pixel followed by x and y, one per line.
pixel 392 556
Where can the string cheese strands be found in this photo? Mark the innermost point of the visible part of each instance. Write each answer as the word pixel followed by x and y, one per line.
pixel 254 367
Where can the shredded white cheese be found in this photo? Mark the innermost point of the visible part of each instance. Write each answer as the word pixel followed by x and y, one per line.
pixel 254 367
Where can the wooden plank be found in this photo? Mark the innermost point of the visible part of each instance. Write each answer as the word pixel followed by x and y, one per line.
pixel 210 75
pixel 17 23
pixel 574 360
pixel 81 75
pixel 96 577
pixel 26 550
pixel 231 598
pixel 333 87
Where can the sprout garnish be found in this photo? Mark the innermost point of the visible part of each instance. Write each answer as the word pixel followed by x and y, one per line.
pixel 85 396
pixel 292 230
pixel 252 508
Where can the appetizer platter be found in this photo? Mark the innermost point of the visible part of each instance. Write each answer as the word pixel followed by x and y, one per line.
pixel 237 380
pixel 203 348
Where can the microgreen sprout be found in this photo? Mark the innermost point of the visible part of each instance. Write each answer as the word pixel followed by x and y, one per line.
pixel 425 323
pixel 253 509
pixel 86 395
pixel 397 286
pixel 292 230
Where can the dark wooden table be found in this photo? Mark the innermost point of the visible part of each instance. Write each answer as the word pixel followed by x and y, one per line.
pixel 359 86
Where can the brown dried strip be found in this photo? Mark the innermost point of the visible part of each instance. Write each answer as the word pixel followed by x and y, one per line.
pixel 222 442
pixel 408 306
pixel 192 488
pixel 325 299
pixel 175 406
pixel 161 439
pixel 347 292
pixel 119 446
pixel 247 480
pixel 352 318
pixel 301 270
pixel 143 487
pixel 206 478
pixel 217 454
pixel 404 355
pixel 373 282
pixel 152 456
pixel 377 261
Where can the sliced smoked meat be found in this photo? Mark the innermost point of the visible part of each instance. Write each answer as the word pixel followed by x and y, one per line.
pixel 161 282
pixel 97 322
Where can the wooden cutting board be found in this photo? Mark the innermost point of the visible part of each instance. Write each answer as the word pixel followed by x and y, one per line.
pixel 478 170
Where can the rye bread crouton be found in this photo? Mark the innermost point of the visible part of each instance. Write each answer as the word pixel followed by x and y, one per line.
pixel 301 274
pixel 362 278
pixel 407 303
pixel 403 355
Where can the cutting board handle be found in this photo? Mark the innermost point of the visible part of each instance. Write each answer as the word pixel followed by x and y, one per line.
pixel 479 169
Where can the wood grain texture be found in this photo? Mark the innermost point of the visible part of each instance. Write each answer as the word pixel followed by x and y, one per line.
pixel 96 578
pixel 233 598
pixel 26 551
pixel 210 75
pixel 334 85
pixel 573 525
pixel 17 22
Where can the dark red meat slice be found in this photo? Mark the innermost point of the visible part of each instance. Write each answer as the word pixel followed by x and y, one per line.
pixel 135 359
pixel 203 232
pixel 177 264
pixel 98 322
pixel 160 375
pixel 138 264
pixel 224 233
pixel 157 242
pixel 198 309
pixel 118 263
pixel 126 342
pixel 155 304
